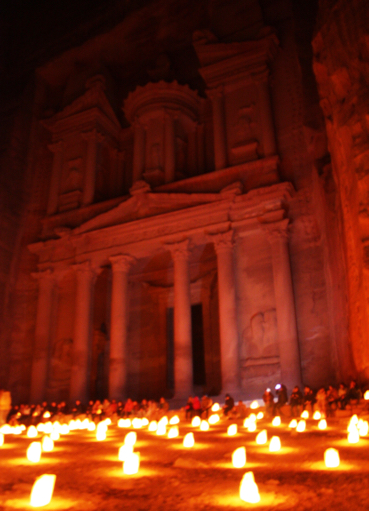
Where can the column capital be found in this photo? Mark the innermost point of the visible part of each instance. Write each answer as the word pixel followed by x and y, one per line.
pixel 86 269
pixel 277 231
pixel 94 136
pixel 216 93
pixel 122 262
pixel 223 241
pixel 46 274
pixel 56 147
pixel 179 250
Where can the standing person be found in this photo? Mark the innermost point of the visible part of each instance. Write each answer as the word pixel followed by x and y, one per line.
pixel 196 406
pixel 189 407
pixel 308 399
pixel 296 401
pixel 206 404
pixel 228 405
pixel 5 405
pixel 281 391
pixel 321 401
pixel 268 399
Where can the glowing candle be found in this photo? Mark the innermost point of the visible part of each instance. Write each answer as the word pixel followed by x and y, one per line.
pixel 232 430
pixel 174 420
pixel 164 420
pixel 249 491
pixel 246 422
pixel 91 426
pixel 353 437
pixel 124 452
pixel 366 395
pixel 101 431
pixel 34 452
pixel 305 414
pixel 254 405
pixel 137 423
pixel 153 426
pixel 32 432
pixel 204 426
pixel 161 429
pixel 252 417
pixel 239 457
pixel 275 444
pixel 317 415
pixel 215 407
pixel 64 429
pixel 260 415
pixel 196 421
pixel 189 440
pixel 331 458
pixel 173 432
pixel 46 415
pixel 54 435
pixel 363 427
pixel 252 427
pixel 145 422
pixel 42 490
pixel 301 426
pixel 47 444
pixel 276 421
pixel 262 437
pixel 322 424
pixel 292 424
pixel 213 419
pixel 130 438
pixel 132 464
pixel 40 427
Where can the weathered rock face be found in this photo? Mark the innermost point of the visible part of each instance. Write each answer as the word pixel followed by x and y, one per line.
pixel 176 158
pixel 341 69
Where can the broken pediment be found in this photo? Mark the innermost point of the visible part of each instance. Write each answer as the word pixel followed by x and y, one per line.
pixel 94 99
pixel 143 204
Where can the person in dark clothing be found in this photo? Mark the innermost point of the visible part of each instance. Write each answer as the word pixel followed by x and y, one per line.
pixel 268 399
pixel 228 404
pixel 296 399
pixel 281 392
pixel 308 399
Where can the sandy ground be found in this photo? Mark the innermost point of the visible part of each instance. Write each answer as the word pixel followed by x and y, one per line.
pixel 90 477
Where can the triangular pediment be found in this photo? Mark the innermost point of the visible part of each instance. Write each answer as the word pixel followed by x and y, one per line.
pixel 93 98
pixel 146 204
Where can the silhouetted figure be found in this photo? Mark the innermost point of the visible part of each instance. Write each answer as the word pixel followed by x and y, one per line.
pixel 281 392
pixel 228 404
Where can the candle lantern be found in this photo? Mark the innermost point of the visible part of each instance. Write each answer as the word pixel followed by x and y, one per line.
pixel 47 444
pixel 232 430
pixel 42 490
pixel 262 437
pixel 174 420
pixel 260 415
pixel 173 432
pixel 213 419
pixel 32 432
pixel 34 452
pixel 301 426
pixel 249 491
pixel 331 458
pixel 204 426
pixel 275 444
pixel 130 438
pixel 292 424
pixel 353 437
pixel 322 424
pixel 254 405
pixel 215 407
pixel 132 463
pixel 305 414
pixel 153 426
pixel 363 427
pixel 317 415
pixel 189 440
pixel 196 421
pixel 276 421
pixel 239 457
pixel 124 451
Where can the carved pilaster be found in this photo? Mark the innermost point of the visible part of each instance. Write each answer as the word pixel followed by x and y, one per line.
pixel 93 138
pixel 57 149
pixel 219 127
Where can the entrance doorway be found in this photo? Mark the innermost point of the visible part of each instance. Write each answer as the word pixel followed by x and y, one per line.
pixel 198 352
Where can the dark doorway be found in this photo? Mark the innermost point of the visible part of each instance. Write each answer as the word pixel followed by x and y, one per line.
pixel 198 353
pixel 170 348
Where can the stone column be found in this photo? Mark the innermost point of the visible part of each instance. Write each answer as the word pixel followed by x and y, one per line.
pixel 41 352
pixel 138 151
pixel 57 149
pixel 80 375
pixel 219 127
pixel 192 151
pixel 223 244
pixel 285 304
pixel 119 326
pixel 266 118
pixel 93 139
pixel 169 149
pixel 183 377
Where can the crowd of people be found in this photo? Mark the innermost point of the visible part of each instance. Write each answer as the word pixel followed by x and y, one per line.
pixel 325 400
